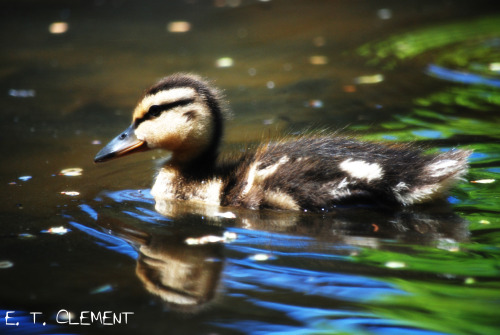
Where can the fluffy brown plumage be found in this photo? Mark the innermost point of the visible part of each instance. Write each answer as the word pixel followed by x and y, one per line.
pixel 182 114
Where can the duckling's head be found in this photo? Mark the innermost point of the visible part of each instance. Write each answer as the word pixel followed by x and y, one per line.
pixel 181 113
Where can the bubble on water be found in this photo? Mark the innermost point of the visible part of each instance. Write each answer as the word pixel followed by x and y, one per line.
pixel 262 257
pixel 178 27
pixel 70 193
pixel 71 172
pixel 384 14
pixel 57 230
pixel 224 62
pixel 369 79
pixel 22 93
pixel 6 264
pixel 395 265
pixel 58 27
pixel 318 60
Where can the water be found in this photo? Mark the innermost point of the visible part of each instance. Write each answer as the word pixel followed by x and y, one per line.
pixel 88 240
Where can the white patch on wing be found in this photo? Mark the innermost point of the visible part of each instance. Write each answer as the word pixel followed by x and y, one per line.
pixel 420 194
pixel 280 200
pixel 255 175
pixel 400 187
pixel 343 183
pixel 361 169
pixel 339 194
pixel 266 172
pixel 443 167
pixel 341 190
pixel 250 177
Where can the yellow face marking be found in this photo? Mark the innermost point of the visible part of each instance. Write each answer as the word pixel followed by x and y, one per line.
pixel 186 130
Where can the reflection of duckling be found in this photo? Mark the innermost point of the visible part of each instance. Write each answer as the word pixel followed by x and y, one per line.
pixel 182 114
pixel 185 277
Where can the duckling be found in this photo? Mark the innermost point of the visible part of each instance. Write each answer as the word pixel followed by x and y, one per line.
pixel 183 114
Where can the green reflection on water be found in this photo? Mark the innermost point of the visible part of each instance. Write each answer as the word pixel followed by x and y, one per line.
pixel 411 44
pixel 477 56
pixel 480 98
pixel 412 128
pixel 461 290
pixel 439 116
pixel 482 196
pixel 460 293
pixel 458 261
pixel 461 307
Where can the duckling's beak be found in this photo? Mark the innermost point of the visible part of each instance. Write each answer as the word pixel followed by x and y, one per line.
pixel 123 144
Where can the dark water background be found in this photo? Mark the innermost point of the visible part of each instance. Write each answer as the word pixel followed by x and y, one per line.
pixel 425 71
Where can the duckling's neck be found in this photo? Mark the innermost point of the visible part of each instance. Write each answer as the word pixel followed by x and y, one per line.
pixel 197 166
pixel 198 161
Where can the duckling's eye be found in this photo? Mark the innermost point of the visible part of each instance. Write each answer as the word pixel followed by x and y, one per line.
pixel 155 110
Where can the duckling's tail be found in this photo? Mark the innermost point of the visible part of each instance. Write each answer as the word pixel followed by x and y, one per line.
pixel 436 177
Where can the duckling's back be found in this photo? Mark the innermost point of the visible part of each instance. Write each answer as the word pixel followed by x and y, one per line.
pixel 321 172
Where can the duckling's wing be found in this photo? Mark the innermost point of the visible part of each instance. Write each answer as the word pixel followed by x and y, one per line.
pixel 318 173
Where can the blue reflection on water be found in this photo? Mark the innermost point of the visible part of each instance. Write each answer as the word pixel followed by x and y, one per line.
pixel 326 284
pixel 253 282
pixel 146 215
pixel 427 133
pixel 453 200
pixel 108 241
pixel 477 156
pixel 89 210
pixel 460 76
pixel 131 195
pixel 323 321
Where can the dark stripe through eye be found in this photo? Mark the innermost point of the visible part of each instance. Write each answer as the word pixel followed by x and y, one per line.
pixel 156 110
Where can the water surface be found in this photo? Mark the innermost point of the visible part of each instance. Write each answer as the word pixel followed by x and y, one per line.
pixel 89 240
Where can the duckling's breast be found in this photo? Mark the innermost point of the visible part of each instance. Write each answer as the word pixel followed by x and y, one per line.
pixel 170 184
